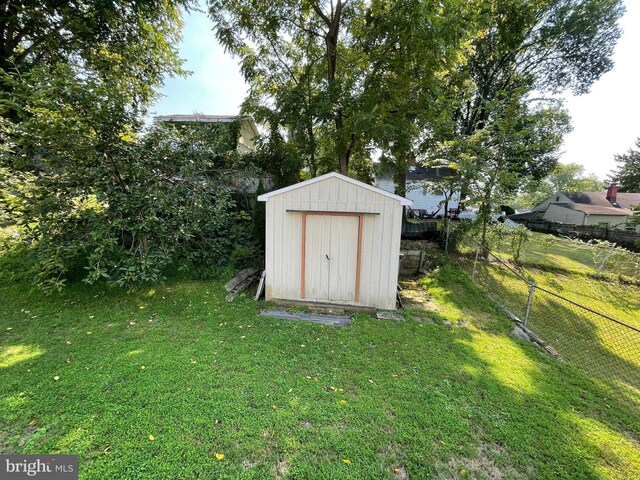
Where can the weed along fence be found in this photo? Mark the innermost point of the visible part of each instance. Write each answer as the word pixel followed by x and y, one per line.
pixel 606 348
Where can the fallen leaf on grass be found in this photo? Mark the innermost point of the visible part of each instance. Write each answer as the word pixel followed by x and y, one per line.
pixel 152 438
pixel 347 461
pixel 56 378
pixel 142 367
pixel 89 333
pixel 106 450
pixel 219 456
pixel 342 402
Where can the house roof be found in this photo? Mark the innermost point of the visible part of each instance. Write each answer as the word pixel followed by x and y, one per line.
pixel 266 196
pixel 594 209
pixel 419 173
pixel 623 199
pixel 430 173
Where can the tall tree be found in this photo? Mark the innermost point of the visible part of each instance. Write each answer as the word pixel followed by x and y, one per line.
pixel 627 175
pixel 342 76
pixel 568 177
pixel 75 81
pixel 131 42
pixel 524 51
pixel 292 53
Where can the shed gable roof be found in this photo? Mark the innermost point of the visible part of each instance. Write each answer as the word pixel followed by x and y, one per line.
pixel 402 200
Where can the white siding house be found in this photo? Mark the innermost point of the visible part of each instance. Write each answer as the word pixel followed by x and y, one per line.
pixel 429 200
pixel 606 209
pixel 334 240
pixel 248 129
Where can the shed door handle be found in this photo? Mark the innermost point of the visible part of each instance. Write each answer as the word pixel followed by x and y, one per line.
pixel 327 257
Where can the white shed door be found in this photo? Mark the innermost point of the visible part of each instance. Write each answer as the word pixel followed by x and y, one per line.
pixel 331 257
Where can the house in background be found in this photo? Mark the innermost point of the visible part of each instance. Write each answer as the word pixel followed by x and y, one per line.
pixel 610 209
pixel 243 184
pixel 248 129
pixel 430 201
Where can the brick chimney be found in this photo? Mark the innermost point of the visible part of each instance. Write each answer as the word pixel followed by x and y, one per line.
pixel 612 193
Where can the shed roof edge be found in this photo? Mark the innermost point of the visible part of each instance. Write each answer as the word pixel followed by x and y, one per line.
pixel 402 200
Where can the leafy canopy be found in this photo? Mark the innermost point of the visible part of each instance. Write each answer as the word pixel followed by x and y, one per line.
pixel 339 78
pixel 563 178
pixel 627 175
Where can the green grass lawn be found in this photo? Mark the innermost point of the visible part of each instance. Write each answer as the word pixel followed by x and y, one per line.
pixel 99 372
pixel 601 347
pixel 563 255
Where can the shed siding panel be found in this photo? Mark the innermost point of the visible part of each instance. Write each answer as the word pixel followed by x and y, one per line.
pixel 380 241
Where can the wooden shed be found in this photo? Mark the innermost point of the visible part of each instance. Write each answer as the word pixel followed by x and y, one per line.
pixel 333 240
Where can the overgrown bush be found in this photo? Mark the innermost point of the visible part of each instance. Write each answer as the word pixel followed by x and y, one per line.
pixel 115 201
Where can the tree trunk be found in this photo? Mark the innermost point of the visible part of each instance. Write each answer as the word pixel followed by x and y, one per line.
pixel 331 42
pixel 400 180
pixel 485 214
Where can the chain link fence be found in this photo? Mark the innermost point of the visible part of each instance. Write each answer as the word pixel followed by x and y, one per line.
pixel 604 347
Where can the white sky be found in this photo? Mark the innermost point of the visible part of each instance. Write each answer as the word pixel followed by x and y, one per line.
pixel 605 121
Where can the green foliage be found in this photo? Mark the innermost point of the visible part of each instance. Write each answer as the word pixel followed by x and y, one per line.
pixel 627 175
pixel 342 77
pixel 519 237
pixel 16 189
pixel 507 131
pixel 132 44
pixel 277 158
pixel 99 195
pixel 507 209
pixel 259 218
pixel 116 203
pixel 562 178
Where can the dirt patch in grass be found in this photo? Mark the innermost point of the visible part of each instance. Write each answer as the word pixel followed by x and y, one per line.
pixel 414 295
pixel 282 468
pixel 399 473
pixel 485 465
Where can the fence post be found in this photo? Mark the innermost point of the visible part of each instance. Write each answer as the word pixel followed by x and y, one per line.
pixel 473 274
pixel 532 291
